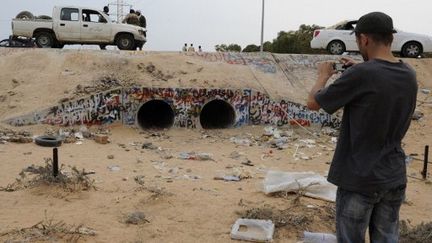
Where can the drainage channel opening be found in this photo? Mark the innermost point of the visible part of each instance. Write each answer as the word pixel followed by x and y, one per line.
pixel 155 114
pixel 217 114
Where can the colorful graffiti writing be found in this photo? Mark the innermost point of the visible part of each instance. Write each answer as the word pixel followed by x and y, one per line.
pixel 186 103
pixel 261 61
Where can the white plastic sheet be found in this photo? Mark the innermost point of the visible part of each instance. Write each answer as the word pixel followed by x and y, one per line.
pixel 314 185
pixel 310 237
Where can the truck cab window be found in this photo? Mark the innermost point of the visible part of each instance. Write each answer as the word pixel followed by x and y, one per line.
pixel 93 16
pixel 69 14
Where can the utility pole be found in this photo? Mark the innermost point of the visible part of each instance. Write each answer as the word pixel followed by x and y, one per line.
pixel 262 27
pixel 119 6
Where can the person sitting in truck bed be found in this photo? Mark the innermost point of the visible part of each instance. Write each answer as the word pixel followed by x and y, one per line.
pixel 132 18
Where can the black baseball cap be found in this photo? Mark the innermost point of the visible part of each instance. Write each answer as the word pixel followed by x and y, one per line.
pixel 374 23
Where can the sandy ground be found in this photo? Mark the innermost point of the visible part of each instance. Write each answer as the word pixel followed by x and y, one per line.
pixel 180 198
pixel 191 206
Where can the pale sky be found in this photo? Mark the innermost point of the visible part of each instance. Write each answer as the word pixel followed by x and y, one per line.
pixel 171 23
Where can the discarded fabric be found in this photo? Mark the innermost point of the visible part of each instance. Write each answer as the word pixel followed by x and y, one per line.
pixel 314 185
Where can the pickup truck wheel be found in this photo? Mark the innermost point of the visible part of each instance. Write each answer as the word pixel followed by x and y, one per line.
pixel 125 42
pixel 44 40
pixel 412 49
pixel 336 47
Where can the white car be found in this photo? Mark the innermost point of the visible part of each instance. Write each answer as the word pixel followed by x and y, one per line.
pixel 338 39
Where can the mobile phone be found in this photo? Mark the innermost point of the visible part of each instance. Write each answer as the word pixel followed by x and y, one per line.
pixel 339 67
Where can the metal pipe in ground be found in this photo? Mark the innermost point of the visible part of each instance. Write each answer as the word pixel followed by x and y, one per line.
pixel 425 162
pixel 55 162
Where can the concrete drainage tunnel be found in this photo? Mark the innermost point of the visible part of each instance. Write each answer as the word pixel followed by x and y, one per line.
pixel 155 114
pixel 158 114
pixel 217 114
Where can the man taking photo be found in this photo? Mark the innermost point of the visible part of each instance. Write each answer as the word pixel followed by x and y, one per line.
pixel 379 98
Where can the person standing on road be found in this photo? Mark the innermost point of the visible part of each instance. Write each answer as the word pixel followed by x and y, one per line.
pixel 379 98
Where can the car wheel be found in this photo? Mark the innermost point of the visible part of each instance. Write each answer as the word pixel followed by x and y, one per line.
pixel 44 40
pixel 48 141
pixel 125 42
pixel 412 49
pixel 336 47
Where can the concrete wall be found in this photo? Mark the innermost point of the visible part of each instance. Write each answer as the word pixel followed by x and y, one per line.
pixel 122 105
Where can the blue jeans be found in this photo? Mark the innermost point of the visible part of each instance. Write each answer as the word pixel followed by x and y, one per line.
pixel 379 210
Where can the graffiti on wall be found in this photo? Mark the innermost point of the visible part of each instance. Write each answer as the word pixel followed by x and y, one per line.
pixel 186 103
pixel 122 105
pixel 263 110
pixel 98 109
pixel 263 62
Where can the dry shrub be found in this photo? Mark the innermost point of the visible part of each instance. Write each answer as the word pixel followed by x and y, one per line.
pixel 295 219
pixel 33 176
pixel 417 234
pixel 48 230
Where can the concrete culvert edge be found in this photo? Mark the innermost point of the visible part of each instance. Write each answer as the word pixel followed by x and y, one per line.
pixel 217 114
pixel 155 114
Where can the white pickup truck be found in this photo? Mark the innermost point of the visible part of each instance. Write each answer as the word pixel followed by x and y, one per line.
pixel 79 25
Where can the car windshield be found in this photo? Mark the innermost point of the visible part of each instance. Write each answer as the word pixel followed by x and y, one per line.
pixel 343 25
pixel 338 25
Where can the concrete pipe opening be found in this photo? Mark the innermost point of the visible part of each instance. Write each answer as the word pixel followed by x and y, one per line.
pixel 217 114
pixel 155 114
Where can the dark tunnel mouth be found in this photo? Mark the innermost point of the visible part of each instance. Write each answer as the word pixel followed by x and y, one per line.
pixel 217 114
pixel 155 114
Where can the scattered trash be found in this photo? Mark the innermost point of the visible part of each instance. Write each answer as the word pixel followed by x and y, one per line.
pixel 85 132
pixel 114 168
pixel 149 145
pixel 227 178
pixel 310 143
pixel 267 154
pixel 110 156
pixel 79 135
pixel 235 155
pixel 247 162
pixel 329 131
pixel 139 179
pixel 101 138
pixel 241 141
pixel 425 91
pixel 310 237
pixel 408 160
pixel 271 131
pixel 280 143
pixel 334 139
pixel 417 115
pixel 195 156
pixel 192 177
pixel 311 184
pixel 253 230
pixel 136 218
